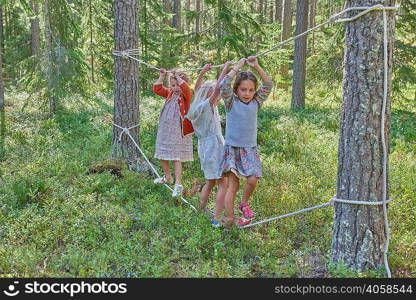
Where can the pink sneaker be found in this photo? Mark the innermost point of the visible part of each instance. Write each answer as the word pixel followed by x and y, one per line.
pixel 246 211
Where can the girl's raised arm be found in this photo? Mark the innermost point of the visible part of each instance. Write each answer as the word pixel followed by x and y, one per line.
pixel 198 83
pixel 254 63
pixel 158 87
pixel 215 97
pixel 237 68
pixel 266 88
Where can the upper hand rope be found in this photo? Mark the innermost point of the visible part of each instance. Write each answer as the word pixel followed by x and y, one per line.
pixel 334 18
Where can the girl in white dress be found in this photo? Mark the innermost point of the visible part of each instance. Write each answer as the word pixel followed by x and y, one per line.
pixel 205 119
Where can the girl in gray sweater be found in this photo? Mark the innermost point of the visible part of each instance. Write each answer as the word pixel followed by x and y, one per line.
pixel 241 157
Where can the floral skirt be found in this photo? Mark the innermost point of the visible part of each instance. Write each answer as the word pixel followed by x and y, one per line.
pixel 170 144
pixel 242 161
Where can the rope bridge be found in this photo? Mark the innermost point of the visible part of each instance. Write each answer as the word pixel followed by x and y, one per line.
pixel 335 18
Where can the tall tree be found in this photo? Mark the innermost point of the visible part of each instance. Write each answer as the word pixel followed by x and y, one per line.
pixel 278 11
pixel 2 104
pixel 198 16
pixel 359 231
pixel 271 11
pixel 188 8
pixel 34 24
pixel 126 101
pixel 299 62
pixel 176 20
pixel 286 30
pixel 167 8
pixel 91 37
pixel 311 23
pixel 49 59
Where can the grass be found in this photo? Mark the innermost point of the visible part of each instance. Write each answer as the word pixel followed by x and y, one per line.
pixel 59 220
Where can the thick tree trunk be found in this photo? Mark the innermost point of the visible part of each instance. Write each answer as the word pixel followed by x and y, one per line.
pixel 35 30
pixel 271 11
pixel 299 64
pixel 286 30
pixel 126 102
pixel 359 231
pixel 278 11
pixel 2 104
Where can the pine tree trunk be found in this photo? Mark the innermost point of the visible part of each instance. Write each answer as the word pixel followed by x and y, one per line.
pixel 198 16
pixel 286 30
pixel 299 63
pixel 260 10
pixel 271 11
pixel 167 8
pixel 176 20
pixel 91 42
pixel 312 14
pixel 49 58
pixel 2 104
pixel 126 102
pixel 278 11
pixel 359 232
pixel 187 24
pixel 35 30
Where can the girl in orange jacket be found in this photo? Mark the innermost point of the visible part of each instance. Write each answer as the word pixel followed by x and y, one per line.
pixel 174 134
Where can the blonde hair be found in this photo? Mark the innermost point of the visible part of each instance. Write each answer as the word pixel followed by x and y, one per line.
pixel 200 95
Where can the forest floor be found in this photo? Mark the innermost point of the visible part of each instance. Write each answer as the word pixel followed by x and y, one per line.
pixel 60 217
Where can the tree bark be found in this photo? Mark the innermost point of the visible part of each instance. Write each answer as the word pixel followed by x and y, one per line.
pixel 286 30
pixel 126 102
pixel 49 58
pixel 359 231
pixel 260 10
pixel 167 8
pixel 176 20
pixel 278 11
pixel 198 16
pixel 312 14
pixel 299 64
pixel 2 104
pixel 271 11
pixel 187 24
pixel 91 42
pixel 35 30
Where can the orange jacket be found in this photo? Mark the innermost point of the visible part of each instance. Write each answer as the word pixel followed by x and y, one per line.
pixel 184 103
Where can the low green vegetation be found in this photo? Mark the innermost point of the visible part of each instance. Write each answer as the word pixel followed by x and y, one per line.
pixel 62 216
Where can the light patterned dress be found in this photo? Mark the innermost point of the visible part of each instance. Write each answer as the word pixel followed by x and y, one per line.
pixel 170 144
pixel 206 122
pixel 241 155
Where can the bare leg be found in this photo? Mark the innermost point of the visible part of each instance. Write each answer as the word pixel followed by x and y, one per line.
pixel 166 170
pixel 206 191
pixel 222 190
pixel 249 188
pixel 178 172
pixel 233 186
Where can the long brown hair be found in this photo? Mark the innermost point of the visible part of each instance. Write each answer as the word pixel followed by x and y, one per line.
pixel 244 75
